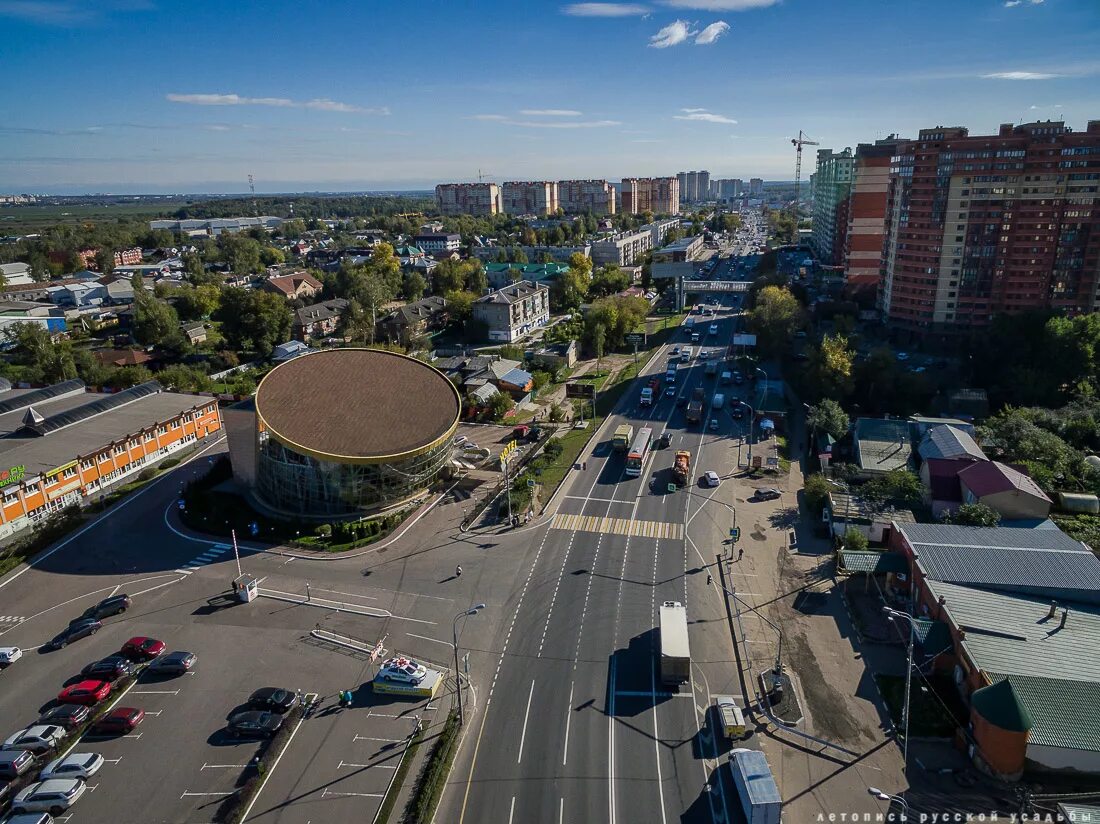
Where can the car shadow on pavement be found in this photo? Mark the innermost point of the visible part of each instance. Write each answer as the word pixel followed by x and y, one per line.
pixel 630 683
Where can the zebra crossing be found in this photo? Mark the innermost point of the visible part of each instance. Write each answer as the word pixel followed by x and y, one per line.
pixel 618 526
pixel 12 619
pixel 213 554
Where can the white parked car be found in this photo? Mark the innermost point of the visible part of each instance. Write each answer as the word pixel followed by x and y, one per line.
pixel 53 796
pixel 710 478
pixel 9 655
pixel 405 670
pixel 38 739
pixel 73 765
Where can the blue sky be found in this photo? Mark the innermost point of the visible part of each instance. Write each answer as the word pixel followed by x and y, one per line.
pixel 153 96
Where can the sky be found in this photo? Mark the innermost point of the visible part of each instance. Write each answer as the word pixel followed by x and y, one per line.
pixel 151 96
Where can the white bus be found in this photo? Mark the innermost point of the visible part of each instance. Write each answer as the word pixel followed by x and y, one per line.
pixel 639 451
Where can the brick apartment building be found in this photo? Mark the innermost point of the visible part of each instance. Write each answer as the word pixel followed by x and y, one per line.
pixel 863 238
pixel 660 195
pixel 576 197
pixel 987 224
pixel 536 197
pixel 468 198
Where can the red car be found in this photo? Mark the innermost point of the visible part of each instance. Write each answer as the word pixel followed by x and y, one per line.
pixel 85 692
pixel 119 721
pixel 142 648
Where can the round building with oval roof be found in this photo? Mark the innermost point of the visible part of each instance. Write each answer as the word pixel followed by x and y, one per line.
pixel 346 432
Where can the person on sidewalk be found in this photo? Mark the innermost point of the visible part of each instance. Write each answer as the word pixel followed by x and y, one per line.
pixel 740 553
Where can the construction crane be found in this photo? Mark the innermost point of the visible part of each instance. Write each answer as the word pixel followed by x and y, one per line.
pixel 802 140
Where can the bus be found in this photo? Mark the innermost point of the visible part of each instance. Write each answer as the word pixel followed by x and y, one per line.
pixel 639 451
pixel 624 434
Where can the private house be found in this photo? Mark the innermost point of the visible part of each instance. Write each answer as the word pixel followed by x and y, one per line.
pixel 1008 491
pixel 294 285
pixel 289 350
pixel 319 320
pixel 415 319
pixel 556 356
pixel 195 332
pixel 880 445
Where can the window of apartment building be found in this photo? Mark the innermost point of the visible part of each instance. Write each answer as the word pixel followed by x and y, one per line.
pixel 86 464
pixel 70 472
pixel 11 496
pixel 118 449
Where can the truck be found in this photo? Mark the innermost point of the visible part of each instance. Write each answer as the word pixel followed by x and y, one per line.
pixel 624 434
pixel 686 354
pixel 719 401
pixel 695 406
pixel 647 396
pixel 760 800
pixel 712 369
pixel 681 466
pixel 675 662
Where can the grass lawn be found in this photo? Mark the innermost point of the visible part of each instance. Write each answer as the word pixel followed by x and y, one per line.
pixel 927 714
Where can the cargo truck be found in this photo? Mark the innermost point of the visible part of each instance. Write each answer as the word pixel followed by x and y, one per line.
pixel 647 396
pixel 624 434
pixel 675 664
pixel 760 800
pixel 681 466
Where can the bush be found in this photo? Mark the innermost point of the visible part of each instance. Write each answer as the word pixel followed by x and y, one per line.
pixel 553 449
pixel 324 531
pixel 855 540
pixel 147 474
pixel 816 491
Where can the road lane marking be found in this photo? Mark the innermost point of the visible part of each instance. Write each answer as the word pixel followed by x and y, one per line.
pixel 526 715
pixel 618 526
pixel 222 766
pixel 426 638
pixel 651 694
pixel 366 766
pixel 369 738
pixel 512 810
pixel 156 692
pixel 327 792
pixel 223 795
pixel 568 716
pixel 125 502
pixel 657 735
pixel 349 594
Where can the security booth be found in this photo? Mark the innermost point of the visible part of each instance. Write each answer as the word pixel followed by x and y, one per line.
pixel 246 588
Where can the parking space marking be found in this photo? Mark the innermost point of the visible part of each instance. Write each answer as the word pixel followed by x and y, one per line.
pixel 223 795
pixel 327 791
pixel 366 766
pixel 156 692
pixel 113 760
pixel 349 594
pixel 372 714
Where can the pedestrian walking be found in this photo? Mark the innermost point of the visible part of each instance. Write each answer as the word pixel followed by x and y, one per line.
pixel 458 571
pixel 740 554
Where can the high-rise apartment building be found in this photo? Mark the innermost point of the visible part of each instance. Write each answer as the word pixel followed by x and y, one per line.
pixel 535 197
pixel 660 195
pixel 987 224
pixel 832 183
pixel 726 188
pixel 867 216
pixel 694 186
pixel 577 197
pixel 756 186
pixel 468 198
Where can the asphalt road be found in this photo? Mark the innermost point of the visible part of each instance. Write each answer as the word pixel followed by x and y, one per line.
pixel 576 726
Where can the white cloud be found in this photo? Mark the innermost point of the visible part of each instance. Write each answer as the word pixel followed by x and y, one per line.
pixel 1020 76
pixel 322 104
pixel 486 117
pixel 711 33
pixel 605 9
pixel 673 34
pixel 704 116
pixel 1011 4
pixel 551 112
pixel 719 5
pixel 507 120
pixel 66 12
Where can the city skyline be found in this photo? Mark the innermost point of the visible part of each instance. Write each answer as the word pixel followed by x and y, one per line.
pixel 96 103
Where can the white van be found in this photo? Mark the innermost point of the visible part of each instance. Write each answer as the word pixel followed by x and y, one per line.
pixel 687 353
pixel 719 401
pixel 726 377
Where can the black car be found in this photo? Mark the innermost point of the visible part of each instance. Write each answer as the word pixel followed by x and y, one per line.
pixel 69 716
pixel 174 663
pixel 109 669
pixel 254 724
pixel 107 607
pixel 80 628
pixel 274 699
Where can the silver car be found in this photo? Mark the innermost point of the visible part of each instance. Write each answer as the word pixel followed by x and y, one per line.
pixel 38 739
pixel 73 765
pixel 53 796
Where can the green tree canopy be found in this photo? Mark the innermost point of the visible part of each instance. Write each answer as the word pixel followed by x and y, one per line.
pixel 253 320
pixel 774 318
pixel 828 416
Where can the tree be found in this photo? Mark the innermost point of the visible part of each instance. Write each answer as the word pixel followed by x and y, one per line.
pixel 47 362
pixel 854 540
pixel 414 286
pixel 460 305
pixel 253 320
pixel 827 416
pixel 270 256
pixel 816 490
pixel 830 370
pixel 557 413
pixel 977 514
pixel 155 322
pixel 570 288
pixel 608 280
pixel 899 487
pixel 105 260
pixel 599 336
pixel 775 317
pixel 241 253
pixel 500 405
pixel 199 302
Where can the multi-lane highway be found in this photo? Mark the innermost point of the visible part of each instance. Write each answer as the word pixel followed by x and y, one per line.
pixel 576 726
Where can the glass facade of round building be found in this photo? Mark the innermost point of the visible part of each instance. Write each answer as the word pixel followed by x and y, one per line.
pixel 306 486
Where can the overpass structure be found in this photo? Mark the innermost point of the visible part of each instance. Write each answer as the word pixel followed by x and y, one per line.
pixel 686 286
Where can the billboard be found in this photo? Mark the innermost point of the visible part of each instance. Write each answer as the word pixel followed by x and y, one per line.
pixel 744 340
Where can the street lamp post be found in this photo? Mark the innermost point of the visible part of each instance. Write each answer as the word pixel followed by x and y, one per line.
pixel 894 615
pixel 884 796
pixel 454 634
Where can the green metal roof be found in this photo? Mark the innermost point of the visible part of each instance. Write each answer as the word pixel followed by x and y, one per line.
pixel 1079 813
pixel 999 705
pixel 1064 713
pixel 868 561
pixel 933 636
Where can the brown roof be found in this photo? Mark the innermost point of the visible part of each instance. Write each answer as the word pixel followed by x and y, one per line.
pixel 123 357
pixel 288 284
pixel 367 405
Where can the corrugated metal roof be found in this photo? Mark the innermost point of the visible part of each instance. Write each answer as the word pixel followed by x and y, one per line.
pixel 949 442
pixel 1012 635
pixel 872 562
pixel 1080 813
pixel 882 444
pixel 1063 713
pixel 990 477
pixel 1040 562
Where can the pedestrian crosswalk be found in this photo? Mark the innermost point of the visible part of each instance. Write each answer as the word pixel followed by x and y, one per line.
pixel 12 619
pixel 618 526
pixel 211 555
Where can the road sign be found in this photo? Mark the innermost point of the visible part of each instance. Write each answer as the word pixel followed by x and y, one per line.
pixel 635 337
pixel 672 487
pixel 574 389
pixel 735 533
pixel 530 483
